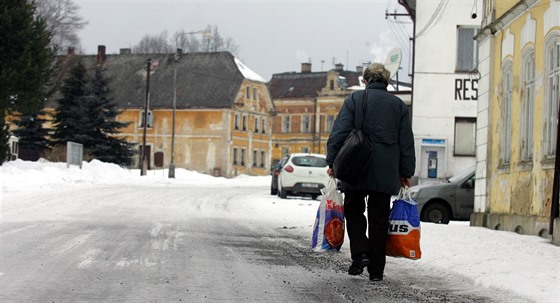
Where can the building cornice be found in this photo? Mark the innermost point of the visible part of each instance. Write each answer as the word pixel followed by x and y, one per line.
pixel 513 13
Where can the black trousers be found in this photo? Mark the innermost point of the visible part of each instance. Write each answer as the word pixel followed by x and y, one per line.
pixel 376 224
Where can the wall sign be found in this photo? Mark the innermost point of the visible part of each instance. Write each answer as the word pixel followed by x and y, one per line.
pixel 466 89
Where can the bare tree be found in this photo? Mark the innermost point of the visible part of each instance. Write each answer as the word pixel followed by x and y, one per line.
pixel 211 41
pixel 158 44
pixel 63 22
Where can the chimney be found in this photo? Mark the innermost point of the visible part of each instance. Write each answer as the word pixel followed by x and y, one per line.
pixel 125 51
pixel 360 69
pixel 306 68
pixel 71 50
pixel 339 67
pixel 101 56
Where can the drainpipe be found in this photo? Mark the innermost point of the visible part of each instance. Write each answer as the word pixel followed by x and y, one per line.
pixel 555 198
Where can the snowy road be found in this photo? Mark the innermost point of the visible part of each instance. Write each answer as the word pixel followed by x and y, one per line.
pixel 185 243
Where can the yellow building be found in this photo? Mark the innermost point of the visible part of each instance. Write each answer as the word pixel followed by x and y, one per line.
pixel 307 104
pixel 222 110
pixel 517 130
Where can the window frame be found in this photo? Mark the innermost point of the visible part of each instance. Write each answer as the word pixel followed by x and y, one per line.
pixel 464 120
pixel 460 64
pixel 255 159
pixel 527 84
pixel 329 122
pixel 150 119
pixel 551 95
pixel 286 123
pixel 506 101
pixel 305 123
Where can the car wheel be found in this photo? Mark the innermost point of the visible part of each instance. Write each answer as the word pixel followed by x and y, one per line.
pixel 314 197
pixel 436 213
pixel 282 193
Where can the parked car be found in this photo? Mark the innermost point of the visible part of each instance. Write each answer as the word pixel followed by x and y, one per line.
pixel 451 200
pixel 303 175
pixel 277 168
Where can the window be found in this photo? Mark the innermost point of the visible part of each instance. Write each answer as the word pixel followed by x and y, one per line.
pixel 242 157
pixel 256 124
pixel 248 92
pixel 255 93
pixel 331 84
pixel 255 153
pixel 551 95
pixel 263 125
pixel 263 155
pixel 285 150
pixel 244 122
pixel 527 100
pixel 466 49
pixel 236 121
pixel 235 155
pixel 286 124
pixel 305 124
pixel 150 119
pixel 305 150
pixel 465 136
pixel 505 112
pixel 330 123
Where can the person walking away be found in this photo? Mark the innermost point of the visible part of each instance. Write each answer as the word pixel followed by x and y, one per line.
pixel 391 165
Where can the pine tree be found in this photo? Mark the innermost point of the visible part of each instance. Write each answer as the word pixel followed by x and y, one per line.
pixel 25 63
pixel 32 136
pixel 105 146
pixel 71 120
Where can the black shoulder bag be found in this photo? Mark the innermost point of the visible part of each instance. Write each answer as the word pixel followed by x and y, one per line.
pixel 352 158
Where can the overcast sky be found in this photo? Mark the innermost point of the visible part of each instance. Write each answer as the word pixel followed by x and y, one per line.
pixel 273 36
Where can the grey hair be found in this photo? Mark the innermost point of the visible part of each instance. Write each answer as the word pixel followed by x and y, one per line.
pixel 377 72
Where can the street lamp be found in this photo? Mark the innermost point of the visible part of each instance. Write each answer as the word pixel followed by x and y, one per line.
pixel 176 59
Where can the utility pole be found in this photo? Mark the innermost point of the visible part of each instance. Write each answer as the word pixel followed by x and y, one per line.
pixel 144 158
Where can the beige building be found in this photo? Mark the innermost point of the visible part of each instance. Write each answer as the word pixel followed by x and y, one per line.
pixel 222 111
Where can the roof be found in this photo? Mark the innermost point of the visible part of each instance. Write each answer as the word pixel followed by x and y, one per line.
pixel 204 80
pixel 296 85
pixel 307 85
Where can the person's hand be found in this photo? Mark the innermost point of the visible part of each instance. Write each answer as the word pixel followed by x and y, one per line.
pixel 330 172
pixel 406 182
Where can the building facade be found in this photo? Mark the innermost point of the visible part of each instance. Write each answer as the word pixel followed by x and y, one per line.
pixel 517 130
pixel 222 110
pixel 445 91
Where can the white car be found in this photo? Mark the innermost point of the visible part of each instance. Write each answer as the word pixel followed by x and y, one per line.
pixel 303 175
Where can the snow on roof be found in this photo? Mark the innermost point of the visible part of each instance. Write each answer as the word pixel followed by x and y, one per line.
pixel 247 72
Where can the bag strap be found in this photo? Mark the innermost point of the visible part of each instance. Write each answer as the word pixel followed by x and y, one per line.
pixel 364 109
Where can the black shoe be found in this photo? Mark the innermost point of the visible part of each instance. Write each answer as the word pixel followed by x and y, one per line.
pixel 376 277
pixel 358 265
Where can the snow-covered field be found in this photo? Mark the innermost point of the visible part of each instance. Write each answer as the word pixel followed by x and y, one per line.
pixel 528 266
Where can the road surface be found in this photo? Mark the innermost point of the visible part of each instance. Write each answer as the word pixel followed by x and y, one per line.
pixel 182 244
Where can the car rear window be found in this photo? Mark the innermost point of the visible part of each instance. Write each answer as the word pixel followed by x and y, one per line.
pixel 309 161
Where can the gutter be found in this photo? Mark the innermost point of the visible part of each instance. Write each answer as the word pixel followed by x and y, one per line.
pixel 504 20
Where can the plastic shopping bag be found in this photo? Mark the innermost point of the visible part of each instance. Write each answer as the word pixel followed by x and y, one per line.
pixel 328 230
pixel 404 228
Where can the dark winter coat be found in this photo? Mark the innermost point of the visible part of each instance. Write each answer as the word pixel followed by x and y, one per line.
pixel 388 126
